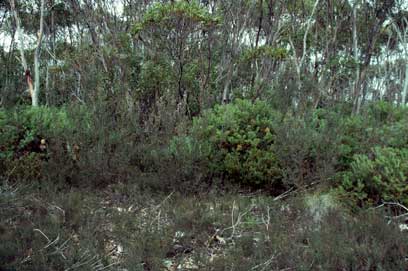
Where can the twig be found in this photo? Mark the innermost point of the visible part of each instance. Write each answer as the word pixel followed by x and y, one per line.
pixel 283 195
pixel 265 264
pixel 43 234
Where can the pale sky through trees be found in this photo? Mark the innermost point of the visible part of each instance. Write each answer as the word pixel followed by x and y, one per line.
pixel 5 38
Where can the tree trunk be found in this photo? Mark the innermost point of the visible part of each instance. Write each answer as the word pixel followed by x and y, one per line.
pixel 356 91
pixel 36 92
pixel 405 88
pixel 34 89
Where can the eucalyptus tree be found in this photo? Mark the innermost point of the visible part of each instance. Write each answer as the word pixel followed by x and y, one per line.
pixel 400 26
pixel 374 15
pixel 173 36
pixel 34 87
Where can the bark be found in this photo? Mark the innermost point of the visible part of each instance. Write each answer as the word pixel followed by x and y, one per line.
pixel 405 87
pixel 381 16
pixel 403 38
pixel 258 34
pixel 19 34
pixel 355 52
pixel 34 88
pixel 35 97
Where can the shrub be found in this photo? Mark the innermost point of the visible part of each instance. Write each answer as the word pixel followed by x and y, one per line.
pixel 305 147
pixel 379 176
pixel 24 136
pixel 381 124
pixel 240 139
pixel 382 112
pixel 354 138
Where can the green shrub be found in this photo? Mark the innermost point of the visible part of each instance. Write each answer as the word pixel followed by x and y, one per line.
pixel 380 176
pixel 21 131
pixel 381 124
pixel 306 147
pixel 354 138
pixel 240 139
pixel 382 112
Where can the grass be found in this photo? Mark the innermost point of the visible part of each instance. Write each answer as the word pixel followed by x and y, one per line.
pixel 124 228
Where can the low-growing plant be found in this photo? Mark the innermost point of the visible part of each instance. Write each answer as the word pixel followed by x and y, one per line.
pixel 306 147
pixel 240 139
pixel 379 176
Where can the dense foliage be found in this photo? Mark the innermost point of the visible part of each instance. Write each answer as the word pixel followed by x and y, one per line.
pixel 241 139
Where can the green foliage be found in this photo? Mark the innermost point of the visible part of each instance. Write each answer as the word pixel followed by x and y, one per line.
pixel 306 147
pixel 384 112
pixel 154 79
pixel 265 51
pixel 21 132
pixel 241 137
pixel 380 176
pixel 161 13
pixel 382 124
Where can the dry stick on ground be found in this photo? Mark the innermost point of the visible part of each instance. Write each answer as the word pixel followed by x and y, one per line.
pixel 157 207
pixel 95 262
pixel 394 204
pixel 234 223
pixel 58 249
pixel 265 264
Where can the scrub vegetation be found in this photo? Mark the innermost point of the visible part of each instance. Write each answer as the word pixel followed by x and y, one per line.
pixel 203 135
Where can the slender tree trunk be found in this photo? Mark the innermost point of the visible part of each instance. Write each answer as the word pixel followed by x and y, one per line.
pixel 23 60
pixel 255 73
pixel 34 89
pixel 35 97
pixel 225 98
pixel 19 34
pixel 405 88
pixel 356 91
pixel 403 37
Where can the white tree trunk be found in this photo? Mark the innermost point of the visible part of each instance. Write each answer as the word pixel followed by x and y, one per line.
pixel 405 88
pixel 36 92
pixel 403 38
pixel 356 91
pixel 19 34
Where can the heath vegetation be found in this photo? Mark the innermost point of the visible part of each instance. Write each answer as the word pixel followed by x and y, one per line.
pixel 203 135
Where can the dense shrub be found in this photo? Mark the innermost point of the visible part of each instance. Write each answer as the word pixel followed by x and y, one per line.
pixel 379 176
pixel 239 140
pixel 305 147
pixel 63 145
pixel 69 147
pixel 25 134
pixel 381 124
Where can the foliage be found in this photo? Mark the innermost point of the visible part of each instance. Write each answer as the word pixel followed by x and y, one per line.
pixel 306 147
pixel 241 138
pixel 265 52
pixel 24 136
pixel 161 13
pixel 380 176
